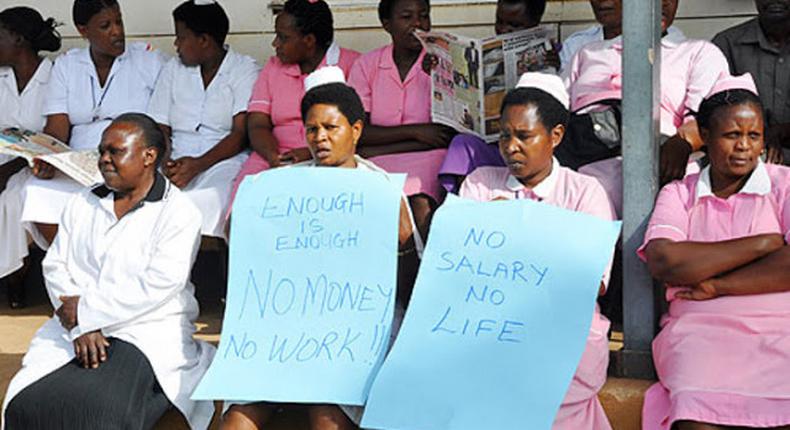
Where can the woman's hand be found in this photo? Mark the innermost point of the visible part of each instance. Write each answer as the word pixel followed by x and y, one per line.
pixel 67 312
pixel 42 169
pixel 434 135
pixel 705 290
pixel 674 159
pixel 295 156
pixel 91 349
pixel 183 170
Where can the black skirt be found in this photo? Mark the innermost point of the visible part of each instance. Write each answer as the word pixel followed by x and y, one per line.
pixel 121 394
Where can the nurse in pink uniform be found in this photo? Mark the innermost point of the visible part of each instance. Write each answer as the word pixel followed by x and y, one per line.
pixel 534 117
pixel 303 42
pixel 396 93
pixel 717 240
pixel 689 69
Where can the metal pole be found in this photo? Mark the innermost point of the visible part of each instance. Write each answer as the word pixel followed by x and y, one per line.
pixel 641 90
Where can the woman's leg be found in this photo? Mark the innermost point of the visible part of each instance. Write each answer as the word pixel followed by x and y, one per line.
pixel 329 417
pixel 15 287
pixel 247 417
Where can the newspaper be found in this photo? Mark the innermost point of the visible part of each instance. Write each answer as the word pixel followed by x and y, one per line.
pixel 473 75
pixel 82 166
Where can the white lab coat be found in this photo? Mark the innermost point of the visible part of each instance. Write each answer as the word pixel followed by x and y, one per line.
pixel 25 111
pixel 74 90
pixel 132 276
pixel 201 117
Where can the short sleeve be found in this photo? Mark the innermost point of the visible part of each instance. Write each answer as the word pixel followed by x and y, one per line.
pixel 243 83
pixel 162 98
pixel 261 98
pixel 360 81
pixel 476 186
pixel 56 101
pixel 707 67
pixel 670 219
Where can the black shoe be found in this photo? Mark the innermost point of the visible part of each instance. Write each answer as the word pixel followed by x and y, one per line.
pixel 15 290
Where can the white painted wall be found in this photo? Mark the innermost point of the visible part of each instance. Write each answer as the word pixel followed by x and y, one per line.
pixel 357 24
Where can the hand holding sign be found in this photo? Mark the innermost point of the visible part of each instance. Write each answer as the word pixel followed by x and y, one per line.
pixel 498 319
pixel 312 287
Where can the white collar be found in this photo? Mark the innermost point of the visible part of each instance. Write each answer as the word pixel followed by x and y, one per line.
pixel 544 189
pixel 759 182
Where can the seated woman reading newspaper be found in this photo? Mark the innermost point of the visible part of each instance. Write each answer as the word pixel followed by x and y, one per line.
pixel 119 352
pixel 333 120
pixel 23 81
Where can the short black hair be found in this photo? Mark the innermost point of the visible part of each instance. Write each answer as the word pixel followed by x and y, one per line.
pixel 535 8
pixel 713 104
pixel 386 7
pixel 312 17
pixel 84 10
pixel 153 137
pixel 551 112
pixel 336 94
pixel 209 19
pixel 40 34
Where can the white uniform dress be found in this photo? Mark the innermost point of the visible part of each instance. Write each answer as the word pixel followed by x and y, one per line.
pixel 22 111
pixel 201 117
pixel 74 90
pixel 132 276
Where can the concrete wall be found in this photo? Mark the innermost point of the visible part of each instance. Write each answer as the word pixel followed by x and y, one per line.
pixel 357 25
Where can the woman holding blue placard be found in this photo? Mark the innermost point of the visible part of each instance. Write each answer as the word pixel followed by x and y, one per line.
pixel 333 118
pixel 534 117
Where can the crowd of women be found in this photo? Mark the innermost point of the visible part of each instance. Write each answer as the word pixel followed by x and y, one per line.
pixel 176 137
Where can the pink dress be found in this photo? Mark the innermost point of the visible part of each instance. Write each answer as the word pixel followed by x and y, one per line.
pixel 689 69
pixel 278 92
pixel 724 361
pixel 581 409
pixel 392 102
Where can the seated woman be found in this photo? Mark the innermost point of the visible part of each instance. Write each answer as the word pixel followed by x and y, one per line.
pixel 717 240
pixel 119 351
pixel 304 41
pixel 23 78
pixel 534 117
pixel 88 88
pixel 468 152
pixel 396 93
pixel 689 69
pixel 333 118
pixel 200 101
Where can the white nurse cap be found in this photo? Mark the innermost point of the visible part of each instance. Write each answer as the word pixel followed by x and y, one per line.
pixel 323 76
pixel 551 84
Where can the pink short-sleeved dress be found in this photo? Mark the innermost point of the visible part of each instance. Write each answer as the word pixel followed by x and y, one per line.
pixel 689 70
pixel 278 92
pixel 581 409
pixel 724 361
pixel 392 102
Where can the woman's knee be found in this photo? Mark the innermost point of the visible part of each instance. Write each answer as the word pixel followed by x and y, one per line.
pixel 329 417
pixel 247 417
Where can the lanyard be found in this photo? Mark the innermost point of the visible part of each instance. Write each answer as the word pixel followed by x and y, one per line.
pixel 97 106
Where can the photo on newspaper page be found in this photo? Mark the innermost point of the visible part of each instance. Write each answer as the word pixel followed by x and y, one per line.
pixel 473 75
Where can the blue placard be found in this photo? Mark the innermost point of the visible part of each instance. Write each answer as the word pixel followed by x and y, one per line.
pixel 311 288
pixel 498 319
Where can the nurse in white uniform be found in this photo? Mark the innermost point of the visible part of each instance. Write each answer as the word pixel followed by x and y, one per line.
pixel 89 87
pixel 200 101
pixel 23 79
pixel 119 351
